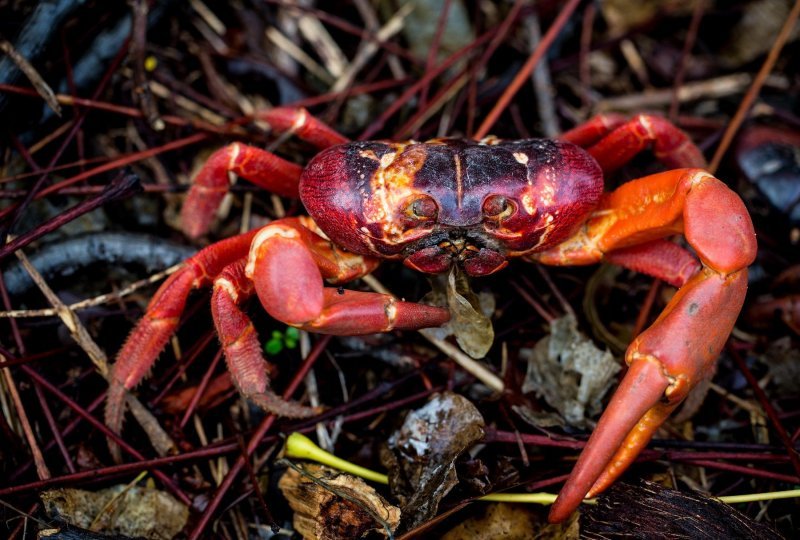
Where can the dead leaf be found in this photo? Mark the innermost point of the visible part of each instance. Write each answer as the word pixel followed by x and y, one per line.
pixel 421 455
pixel 122 509
pixel 470 313
pixel 569 372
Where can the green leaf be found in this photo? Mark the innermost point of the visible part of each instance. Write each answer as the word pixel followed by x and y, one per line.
pixel 273 346
pixel 292 333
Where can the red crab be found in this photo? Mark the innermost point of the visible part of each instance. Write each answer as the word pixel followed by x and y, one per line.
pixel 474 204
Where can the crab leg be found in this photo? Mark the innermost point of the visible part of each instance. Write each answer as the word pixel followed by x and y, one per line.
pixel 299 122
pixel 298 297
pixel 662 259
pixel 591 131
pixel 663 366
pixel 160 321
pixel 614 142
pixel 248 368
pixel 260 167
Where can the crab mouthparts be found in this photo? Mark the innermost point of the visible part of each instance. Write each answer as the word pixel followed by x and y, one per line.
pixel 439 257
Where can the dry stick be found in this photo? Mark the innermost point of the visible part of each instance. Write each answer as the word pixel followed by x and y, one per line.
pixel 467 73
pixel 540 309
pixel 744 471
pixel 41 467
pixel 16 210
pixel 434 104
pixel 472 366
pixel 297 54
pixel 647 307
pixel 433 51
pixel 755 88
pixel 318 37
pixel 378 124
pixel 187 360
pixel 255 440
pixel 70 427
pixel 499 37
pixel 116 164
pixel 542 84
pixel 524 73
pixel 201 389
pixel 352 29
pixel 584 68
pixel 368 49
pixel 131 112
pixel 710 88
pixel 42 88
pixel 159 438
pixel 57 436
pixel 743 404
pixel 371 24
pixel 51 422
pixel 138 49
pixel 688 45
pixel 36 453
pixel 92 302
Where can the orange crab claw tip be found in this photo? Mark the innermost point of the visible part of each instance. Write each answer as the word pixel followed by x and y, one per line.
pixel 641 389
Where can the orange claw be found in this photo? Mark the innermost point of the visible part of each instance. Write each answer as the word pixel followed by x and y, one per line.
pixel 681 346
pixel 299 298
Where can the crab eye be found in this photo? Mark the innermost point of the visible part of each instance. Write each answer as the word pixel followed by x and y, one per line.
pixel 497 207
pixel 422 208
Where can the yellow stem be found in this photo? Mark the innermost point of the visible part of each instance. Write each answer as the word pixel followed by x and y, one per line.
pixel 301 447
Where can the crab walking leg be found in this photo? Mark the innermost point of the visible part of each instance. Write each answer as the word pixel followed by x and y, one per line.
pixel 287 264
pixel 613 143
pixel 662 259
pixel 212 182
pixel 663 366
pixel 298 121
pixel 591 131
pixel 260 167
pixel 160 321
pixel 248 368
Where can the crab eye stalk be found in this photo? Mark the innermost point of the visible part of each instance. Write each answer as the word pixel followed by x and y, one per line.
pixel 422 208
pixel 498 208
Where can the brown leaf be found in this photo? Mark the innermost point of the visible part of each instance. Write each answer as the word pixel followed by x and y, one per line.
pixel 569 372
pixel 130 511
pixel 421 456
pixel 470 314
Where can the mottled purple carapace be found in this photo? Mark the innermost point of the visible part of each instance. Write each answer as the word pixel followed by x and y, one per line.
pixel 449 201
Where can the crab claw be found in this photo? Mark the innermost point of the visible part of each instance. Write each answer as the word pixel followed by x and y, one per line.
pixel 632 417
pixel 663 369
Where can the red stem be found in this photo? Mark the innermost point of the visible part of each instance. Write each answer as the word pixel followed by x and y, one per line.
pixel 772 414
pixel 102 427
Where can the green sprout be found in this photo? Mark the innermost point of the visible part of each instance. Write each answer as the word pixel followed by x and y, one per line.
pixel 280 340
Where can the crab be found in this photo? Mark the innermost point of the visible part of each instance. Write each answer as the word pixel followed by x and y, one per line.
pixel 474 204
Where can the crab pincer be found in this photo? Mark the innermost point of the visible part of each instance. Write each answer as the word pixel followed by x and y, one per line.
pixel 680 348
